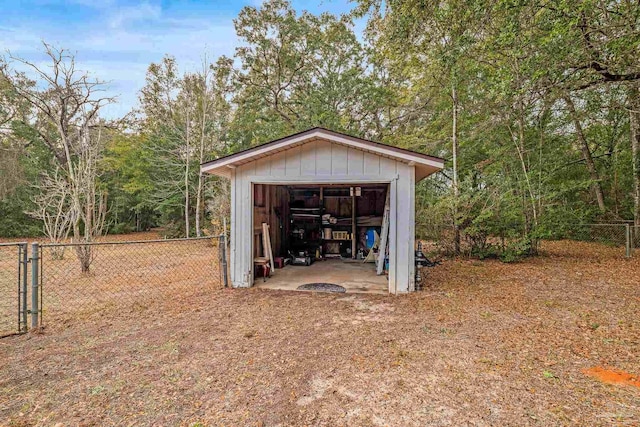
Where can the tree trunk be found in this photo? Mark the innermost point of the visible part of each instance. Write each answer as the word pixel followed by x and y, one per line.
pixel 521 148
pixel 203 128
pixel 454 151
pixel 634 124
pixel 199 205
pixel 586 154
pixel 186 179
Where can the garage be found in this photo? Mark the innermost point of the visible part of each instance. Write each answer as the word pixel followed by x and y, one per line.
pixel 321 207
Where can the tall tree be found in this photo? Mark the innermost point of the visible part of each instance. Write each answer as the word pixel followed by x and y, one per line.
pixel 66 119
pixel 168 102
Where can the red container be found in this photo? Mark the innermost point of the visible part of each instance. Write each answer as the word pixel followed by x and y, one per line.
pixel 278 262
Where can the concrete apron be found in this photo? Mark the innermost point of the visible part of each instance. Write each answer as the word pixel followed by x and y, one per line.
pixel 354 276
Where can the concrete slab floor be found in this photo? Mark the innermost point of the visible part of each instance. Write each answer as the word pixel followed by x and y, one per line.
pixel 354 276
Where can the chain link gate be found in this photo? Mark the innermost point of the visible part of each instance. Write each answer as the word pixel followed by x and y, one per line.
pixel 13 288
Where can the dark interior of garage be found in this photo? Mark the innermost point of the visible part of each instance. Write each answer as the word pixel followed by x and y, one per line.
pixel 313 223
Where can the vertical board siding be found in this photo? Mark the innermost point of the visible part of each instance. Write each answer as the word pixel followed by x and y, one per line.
pixel 308 159
pixel 355 161
pixel 246 214
pixel 393 236
pixel 235 229
pixel 412 228
pixel 323 158
pixel 338 159
pixel 292 162
pixel 404 224
pixel 387 166
pixel 278 164
pixel 371 164
pixel 263 166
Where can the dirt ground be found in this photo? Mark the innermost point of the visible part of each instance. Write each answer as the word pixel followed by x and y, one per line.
pixel 486 344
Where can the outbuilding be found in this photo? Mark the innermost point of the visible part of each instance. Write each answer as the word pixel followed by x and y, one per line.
pixel 328 202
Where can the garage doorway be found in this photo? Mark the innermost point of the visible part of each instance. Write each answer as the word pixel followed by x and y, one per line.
pixel 320 233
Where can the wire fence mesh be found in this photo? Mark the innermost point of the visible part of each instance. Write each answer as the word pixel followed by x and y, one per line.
pixel 621 238
pixel 11 288
pixel 78 280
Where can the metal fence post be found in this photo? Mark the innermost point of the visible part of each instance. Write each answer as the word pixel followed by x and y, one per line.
pixel 222 248
pixel 35 265
pixel 24 320
pixel 627 246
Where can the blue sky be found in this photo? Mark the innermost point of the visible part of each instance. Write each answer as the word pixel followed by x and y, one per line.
pixel 116 40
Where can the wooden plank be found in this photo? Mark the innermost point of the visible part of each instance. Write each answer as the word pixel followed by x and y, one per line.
pixel 266 243
pixel 385 235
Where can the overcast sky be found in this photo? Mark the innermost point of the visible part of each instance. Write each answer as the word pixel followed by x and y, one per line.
pixel 117 39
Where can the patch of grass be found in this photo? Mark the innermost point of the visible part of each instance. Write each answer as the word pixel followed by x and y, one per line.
pixel 96 390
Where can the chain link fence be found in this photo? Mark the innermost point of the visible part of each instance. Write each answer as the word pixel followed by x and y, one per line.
pixel 79 280
pixel 619 239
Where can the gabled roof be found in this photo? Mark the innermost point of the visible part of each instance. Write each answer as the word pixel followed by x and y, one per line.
pixel 425 164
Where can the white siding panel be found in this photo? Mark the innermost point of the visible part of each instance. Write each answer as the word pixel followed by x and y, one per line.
pixel 393 237
pixel 246 218
pixel 371 164
pixel 236 233
pixel 355 161
pixel 404 228
pixel 292 162
pixel 412 228
pixel 338 159
pixel 308 159
pixel 263 166
pixel 387 166
pixel 248 169
pixel 278 164
pixel 323 158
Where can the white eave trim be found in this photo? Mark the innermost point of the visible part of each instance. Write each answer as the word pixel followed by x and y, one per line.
pixel 319 133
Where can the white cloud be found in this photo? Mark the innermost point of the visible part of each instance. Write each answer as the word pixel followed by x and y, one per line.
pixel 122 16
pixel 118 43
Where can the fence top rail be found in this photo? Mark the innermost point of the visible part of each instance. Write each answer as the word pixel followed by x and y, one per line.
pixel 128 242
pixel 13 244
pixel 576 224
